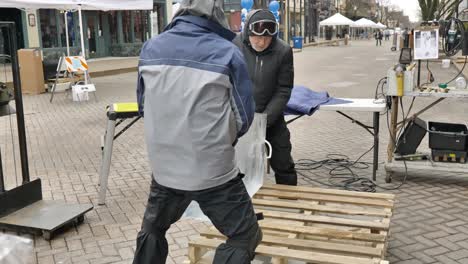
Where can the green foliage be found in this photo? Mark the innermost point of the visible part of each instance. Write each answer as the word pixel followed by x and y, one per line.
pixel 438 9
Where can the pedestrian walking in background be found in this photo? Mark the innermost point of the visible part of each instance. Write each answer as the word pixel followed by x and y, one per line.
pixel 378 35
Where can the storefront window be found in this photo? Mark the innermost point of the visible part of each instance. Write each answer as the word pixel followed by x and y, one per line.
pixel 140 26
pixel 126 26
pixel 49 28
pixel 113 28
pixel 71 29
pixel 158 19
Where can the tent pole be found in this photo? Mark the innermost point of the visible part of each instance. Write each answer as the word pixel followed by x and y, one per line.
pixel 82 41
pixel 81 32
pixel 66 33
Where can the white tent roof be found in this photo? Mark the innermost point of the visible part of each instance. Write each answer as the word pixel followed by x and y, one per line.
pixel 380 25
pixel 337 20
pixel 85 4
pixel 364 23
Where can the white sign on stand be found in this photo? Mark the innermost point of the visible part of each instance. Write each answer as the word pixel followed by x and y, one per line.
pixel 426 44
pixel 80 92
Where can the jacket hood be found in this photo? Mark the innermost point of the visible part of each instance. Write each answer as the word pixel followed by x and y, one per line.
pixel 211 9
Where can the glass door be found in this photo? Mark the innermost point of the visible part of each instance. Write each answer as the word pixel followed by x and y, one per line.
pixel 91 33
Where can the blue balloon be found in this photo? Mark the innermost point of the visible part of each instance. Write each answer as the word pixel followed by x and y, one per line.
pixel 276 14
pixel 247 4
pixel 274 6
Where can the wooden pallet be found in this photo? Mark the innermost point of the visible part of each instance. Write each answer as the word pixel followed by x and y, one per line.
pixel 313 225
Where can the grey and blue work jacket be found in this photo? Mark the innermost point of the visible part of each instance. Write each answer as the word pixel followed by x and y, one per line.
pixel 194 90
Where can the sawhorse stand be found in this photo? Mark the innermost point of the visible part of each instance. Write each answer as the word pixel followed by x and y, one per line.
pixel 70 66
pixel 116 114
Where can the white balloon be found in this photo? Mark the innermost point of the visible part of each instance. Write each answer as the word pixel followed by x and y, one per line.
pixel 244 11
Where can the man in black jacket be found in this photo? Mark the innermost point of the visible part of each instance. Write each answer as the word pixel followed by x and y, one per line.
pixel 270 64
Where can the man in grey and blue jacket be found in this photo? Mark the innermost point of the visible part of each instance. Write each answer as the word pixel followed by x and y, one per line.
pixel 194 91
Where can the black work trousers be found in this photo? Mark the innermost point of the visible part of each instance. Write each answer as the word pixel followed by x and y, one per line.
pixel 281 160
pixel 229 208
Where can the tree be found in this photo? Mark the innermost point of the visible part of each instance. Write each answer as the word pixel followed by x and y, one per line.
pixel 383 7
pixel 438 9
pixel 352 7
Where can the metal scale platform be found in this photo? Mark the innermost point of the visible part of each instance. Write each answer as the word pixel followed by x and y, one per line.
pixel 22 208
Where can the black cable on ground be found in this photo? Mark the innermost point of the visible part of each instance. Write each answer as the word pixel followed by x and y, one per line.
pixel 342 170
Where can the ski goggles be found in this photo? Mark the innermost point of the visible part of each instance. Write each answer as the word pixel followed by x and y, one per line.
pixel 263 28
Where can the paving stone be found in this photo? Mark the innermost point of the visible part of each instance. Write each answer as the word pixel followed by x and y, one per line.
pixel 459 254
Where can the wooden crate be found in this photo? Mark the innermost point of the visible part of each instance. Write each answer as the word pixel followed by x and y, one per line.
pixel 313 225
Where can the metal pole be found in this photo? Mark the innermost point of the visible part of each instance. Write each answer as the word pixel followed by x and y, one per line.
pixel 375 164
pixel 288 8
pixel 19 105
pixel 2 181
pixel 295 33
pixel 82 41
pixel 419 73
pixel 66 33
pixel 300 18
pixel 106 160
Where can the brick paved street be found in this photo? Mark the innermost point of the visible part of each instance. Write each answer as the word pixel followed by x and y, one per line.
pixel 430 224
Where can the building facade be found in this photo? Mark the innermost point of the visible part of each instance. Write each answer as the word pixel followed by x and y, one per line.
pixel 110 33
pixel 122 33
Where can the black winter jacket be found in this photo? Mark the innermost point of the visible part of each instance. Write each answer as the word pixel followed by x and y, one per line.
pixel 272 74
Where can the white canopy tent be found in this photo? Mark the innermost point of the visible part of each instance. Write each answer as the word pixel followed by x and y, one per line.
pixel 364 23
pixel 380 25
pixel 72 5
pixel 335 20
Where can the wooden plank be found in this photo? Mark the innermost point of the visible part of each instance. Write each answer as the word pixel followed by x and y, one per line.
pixel 329 191
pixel 321 208
pixel 196 253
pixel 279 260
pixel 304 244
pixel 325 220
pixel 319 258
pixel 326 198
pixel 325 232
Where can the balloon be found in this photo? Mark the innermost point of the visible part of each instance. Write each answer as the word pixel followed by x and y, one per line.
pixel 274 6
pixel 244 11
pixel 276 14
pixel 247 4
